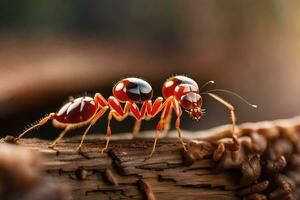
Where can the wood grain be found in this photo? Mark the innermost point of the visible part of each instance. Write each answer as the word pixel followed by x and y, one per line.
pixel 164 176
pixel 124 172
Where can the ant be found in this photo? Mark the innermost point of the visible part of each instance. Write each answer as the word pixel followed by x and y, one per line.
pixel 179 92
pixel 87 110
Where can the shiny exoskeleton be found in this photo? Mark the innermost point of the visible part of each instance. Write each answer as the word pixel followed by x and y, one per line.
pixel 87 110
pixel 182 92
pixel 77 111
pixel 179 92
pixel 186 92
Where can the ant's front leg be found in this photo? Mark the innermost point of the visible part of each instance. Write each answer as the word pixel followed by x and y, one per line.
pixel 178 112
pixel 236 144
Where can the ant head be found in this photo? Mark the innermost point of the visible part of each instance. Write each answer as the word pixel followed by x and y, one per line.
pixel 192 103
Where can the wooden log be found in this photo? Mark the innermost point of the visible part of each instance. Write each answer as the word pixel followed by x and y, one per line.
pixel 124 172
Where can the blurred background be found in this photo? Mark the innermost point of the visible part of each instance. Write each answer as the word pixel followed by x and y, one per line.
pixel 50 50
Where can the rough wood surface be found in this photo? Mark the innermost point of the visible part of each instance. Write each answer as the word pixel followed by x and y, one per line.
pixel 124 173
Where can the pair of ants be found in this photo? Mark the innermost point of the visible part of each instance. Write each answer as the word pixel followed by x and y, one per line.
pixel 179 92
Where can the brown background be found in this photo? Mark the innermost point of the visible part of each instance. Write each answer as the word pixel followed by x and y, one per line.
pixel 50 50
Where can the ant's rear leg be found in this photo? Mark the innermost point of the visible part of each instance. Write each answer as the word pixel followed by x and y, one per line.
pixel 61 135
pixel 93 121
pixel 40 123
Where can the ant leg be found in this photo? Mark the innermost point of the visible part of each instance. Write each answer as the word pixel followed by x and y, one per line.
pixel 93 121
pixel 118 117
pixel 167 123
pixel 179 132
pixel 156 107
pixel 108 131
pixel 61 135
pixel 139 115
pixel 40 123
pixel 100 99
pixel 118 113
pixel 178 112
pixel 108 134
pixel 137 127
pixel 157 134
pixel 232 116
pixel 159 127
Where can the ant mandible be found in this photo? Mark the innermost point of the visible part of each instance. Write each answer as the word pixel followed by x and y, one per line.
pixel 178 92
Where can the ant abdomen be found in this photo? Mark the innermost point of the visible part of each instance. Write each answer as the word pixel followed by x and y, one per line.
pixel 76 111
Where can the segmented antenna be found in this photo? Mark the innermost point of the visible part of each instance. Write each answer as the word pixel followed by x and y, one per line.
pixel 232 93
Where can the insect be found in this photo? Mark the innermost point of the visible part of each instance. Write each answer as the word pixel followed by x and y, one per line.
pixel 87 110
pixel 179 92
pixel 182 92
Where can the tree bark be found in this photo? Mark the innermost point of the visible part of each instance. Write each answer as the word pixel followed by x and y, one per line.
pixel 124 172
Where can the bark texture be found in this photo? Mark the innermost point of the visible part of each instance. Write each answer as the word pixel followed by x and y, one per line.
pixel 123 172
pixel 265 166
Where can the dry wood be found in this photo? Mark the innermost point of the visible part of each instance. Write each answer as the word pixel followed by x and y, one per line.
pixel 124 173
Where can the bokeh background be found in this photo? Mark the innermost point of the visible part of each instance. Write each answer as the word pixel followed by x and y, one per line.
pixel 50 50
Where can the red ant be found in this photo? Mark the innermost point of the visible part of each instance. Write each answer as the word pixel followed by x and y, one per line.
pixel 87 110
pixel 181 91
pixel 178 91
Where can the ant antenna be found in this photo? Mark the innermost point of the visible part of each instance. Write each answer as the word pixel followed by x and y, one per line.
pixel 206 84
pixel 232 93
